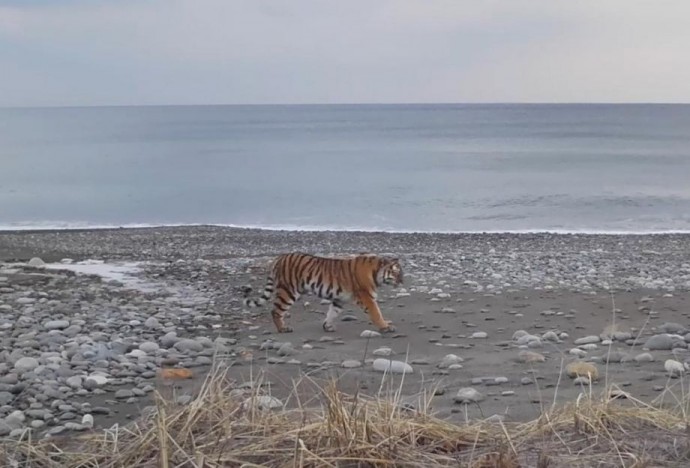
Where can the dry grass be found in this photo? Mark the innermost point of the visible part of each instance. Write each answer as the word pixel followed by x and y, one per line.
pixel 218 429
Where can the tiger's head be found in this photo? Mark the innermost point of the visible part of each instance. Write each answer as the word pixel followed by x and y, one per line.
pixel 391 271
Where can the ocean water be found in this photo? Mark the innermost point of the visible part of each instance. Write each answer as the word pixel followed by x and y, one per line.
pixel 440 168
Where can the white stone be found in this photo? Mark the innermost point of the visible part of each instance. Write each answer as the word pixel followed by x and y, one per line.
pixel 674 368
pixel 87 421
pixel 370 334
pixel 393 367
pixel 468 395
pixel 36 262
pixel 383 351
pixel 263 402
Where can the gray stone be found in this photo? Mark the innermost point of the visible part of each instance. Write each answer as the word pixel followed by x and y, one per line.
pixel 186 345
pixel 123 394
pixel 468 395
pixel 286 349
pixel 664 342
pixel 56 324
pixel 672 328
pixel 152 322
pixel 74 382
pixel 587 340
pixel 449 360
pixel 644 357
pixel 26 364
pixel 6 398
pixel 149 347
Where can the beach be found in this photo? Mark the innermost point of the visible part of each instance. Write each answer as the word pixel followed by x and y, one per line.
pixel 88 332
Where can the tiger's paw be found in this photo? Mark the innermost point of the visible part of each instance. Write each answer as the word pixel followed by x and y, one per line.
pixel 285 329
pixel 389 328
pixel 328 327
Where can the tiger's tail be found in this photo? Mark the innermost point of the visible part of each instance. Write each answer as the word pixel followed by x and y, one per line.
pixel 265 295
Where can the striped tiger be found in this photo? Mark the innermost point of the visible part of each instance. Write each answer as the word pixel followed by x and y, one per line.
pixel 334 279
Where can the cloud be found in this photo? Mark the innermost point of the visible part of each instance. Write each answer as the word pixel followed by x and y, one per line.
pixel 72 52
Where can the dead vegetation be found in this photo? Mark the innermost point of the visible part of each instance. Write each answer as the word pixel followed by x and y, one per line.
pixel 227 425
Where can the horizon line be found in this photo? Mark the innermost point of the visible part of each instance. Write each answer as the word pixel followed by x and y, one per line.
pixel 321 104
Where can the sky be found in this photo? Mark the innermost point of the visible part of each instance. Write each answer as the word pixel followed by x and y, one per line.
pixel 148 52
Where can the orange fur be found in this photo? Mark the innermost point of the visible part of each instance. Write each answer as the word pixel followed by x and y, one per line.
pixel 334 279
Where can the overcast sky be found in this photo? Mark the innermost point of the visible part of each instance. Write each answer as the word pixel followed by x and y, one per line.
pixel 113 52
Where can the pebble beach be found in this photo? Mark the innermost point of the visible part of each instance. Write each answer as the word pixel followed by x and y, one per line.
pixel 490 325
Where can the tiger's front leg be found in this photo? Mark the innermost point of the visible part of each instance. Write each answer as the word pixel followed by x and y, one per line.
pixel 369 304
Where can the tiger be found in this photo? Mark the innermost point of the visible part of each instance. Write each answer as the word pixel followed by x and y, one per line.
pixel 336 280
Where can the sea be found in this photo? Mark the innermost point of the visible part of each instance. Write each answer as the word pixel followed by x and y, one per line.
pixel 596 168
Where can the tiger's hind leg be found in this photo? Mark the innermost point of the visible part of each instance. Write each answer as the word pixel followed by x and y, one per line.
pixel 334 310
pixel 370 306
pixel 283 302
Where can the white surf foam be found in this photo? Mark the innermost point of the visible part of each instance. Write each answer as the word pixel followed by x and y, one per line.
pixel 332 228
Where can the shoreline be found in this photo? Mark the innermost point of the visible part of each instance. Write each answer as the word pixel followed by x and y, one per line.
pixel 334 230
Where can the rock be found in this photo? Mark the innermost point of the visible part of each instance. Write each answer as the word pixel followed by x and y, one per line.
pixel 286 349
pixel 95 381
pixel 527 339
pixel 56 324
pixel 15 420
pixel 383 351
pixel 393 367
pixel 479 335
pixel 36 262
pixel 351 364
pixel 26 364
pixel 6 398
pixel 587 340
pixel 583 380
pixel 530 357
pixel 664 342
pixel 582 369
pixel 674 368
pixel 614 357
pixel 578 352
pixel 370 334
pixel 149 347
pixel 644 357
pixel 169 339
pixel 263 402
pixel 622 336
pixel 550 336
pixel 519 334
pixel 672 328
pixel 152 322
pixel 186 345
pixel 123 394
pixel 449 360
pixel 74 382
pixel 468 395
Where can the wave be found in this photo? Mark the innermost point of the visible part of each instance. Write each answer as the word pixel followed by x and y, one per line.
pixel 79 226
